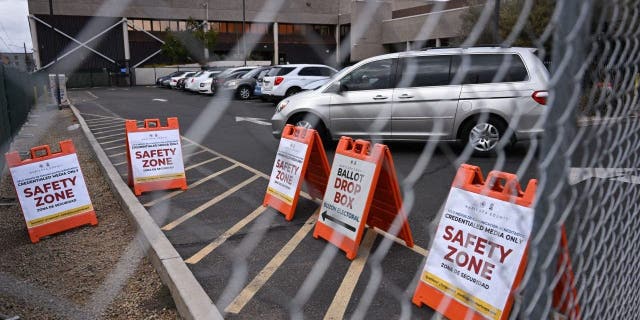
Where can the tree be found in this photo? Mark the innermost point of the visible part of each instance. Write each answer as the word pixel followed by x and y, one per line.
pixel 537 20
pixel 185 46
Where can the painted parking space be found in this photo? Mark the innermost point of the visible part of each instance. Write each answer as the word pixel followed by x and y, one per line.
pixel 250 260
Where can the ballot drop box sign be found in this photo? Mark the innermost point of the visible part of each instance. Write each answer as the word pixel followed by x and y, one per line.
pixel 155 155
pixel 347 195
pixel 477 250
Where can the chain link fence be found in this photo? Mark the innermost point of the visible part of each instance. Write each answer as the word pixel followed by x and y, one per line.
pixel 18 94
pixel 586 161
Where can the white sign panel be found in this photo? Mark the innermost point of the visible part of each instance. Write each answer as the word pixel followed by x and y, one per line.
pixel 477 250
pixel 287 170
pixel 51 190
pixel 156 155
pixel 346 196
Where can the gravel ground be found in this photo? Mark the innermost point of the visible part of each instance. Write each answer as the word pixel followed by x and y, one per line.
pixel 85 273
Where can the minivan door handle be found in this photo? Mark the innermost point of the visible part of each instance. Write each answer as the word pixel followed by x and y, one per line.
pixel 405 96
pixel 380 97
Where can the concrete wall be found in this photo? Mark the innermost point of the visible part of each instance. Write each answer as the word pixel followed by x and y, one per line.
pixel 367 28
pixel 410 28
pixel 292 11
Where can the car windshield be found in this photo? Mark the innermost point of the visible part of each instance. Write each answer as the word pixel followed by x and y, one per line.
pixel 251 73
pixel 279 71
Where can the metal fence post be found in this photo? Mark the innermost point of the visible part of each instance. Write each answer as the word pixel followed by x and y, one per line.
pixel 568 54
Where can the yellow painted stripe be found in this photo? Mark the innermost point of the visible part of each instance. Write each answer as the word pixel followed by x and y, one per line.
pixel 116 147
pixel 265 274
pixel 119 163
pixel 345 291
pixel 226 235
pixel 201 163
pixel 112 141
pixel 193 185
pixel 207 204
pixel 110 136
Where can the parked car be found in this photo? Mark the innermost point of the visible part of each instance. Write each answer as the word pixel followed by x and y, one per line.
pixel 285 80
pixel 194 84
pixel 159 80
pixel 173 81
pixel 257 91
pixel 476 95
pixel 221 78
pixel 243 86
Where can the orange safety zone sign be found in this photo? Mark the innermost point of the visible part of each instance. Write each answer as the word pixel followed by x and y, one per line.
pixel 300 159
pixel 51 190
pixel 452 301
pixel 362 189
pixel 166 156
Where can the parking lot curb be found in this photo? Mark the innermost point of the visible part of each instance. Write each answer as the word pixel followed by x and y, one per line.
pixel 190 298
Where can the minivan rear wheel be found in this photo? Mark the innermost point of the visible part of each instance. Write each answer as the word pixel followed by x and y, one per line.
pixel 483 136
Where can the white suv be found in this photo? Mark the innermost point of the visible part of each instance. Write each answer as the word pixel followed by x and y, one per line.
pixel 285 80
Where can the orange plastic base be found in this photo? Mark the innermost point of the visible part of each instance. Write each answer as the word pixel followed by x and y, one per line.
pixel 345 244
pixel 36 233
pixel 139 188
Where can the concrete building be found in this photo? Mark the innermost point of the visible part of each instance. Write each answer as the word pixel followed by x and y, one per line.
pixel 112 34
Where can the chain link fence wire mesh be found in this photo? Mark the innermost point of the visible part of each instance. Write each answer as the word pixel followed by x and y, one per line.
pixel 586 161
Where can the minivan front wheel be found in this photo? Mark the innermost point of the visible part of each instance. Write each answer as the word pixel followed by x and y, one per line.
pixel 484 136
pixel 311 121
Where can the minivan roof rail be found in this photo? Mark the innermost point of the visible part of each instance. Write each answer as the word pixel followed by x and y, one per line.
pixel 467 47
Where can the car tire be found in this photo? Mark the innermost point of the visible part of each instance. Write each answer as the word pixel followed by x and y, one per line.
pixel 484 135
pixel 291 91
pixel 243 93
pixel 311 121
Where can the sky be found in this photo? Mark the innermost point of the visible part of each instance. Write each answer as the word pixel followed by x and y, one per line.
pixel 14 26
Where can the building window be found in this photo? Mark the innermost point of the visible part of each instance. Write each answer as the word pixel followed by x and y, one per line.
pixel 155 24
pixel 285 28
pixel 164 25
pixel 182 25
pixel 173 25
pixel 137 24
pixel 146 25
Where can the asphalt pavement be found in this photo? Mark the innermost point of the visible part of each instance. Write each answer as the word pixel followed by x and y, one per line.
pixel 250 260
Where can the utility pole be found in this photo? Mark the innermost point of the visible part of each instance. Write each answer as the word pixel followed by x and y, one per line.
pixel 58 98
pixel 205 28
pixel 244 40
pixel 496 23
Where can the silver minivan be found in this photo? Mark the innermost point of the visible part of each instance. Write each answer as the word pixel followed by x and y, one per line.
pixel 476 95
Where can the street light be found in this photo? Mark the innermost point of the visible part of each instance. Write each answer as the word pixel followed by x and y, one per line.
pixel 244 30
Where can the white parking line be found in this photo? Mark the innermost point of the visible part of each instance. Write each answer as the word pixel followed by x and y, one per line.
pixel 207 204
pixel 194 153
pixel 119 163
pixel 101 121
pixel 265 274
pixel 193 185
pixel 226 235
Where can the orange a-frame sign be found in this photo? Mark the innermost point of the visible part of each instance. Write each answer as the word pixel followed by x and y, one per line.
pixel 51 190
pixel 479 252
pixel 362 189
pixel 300 158
pixel 154 156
